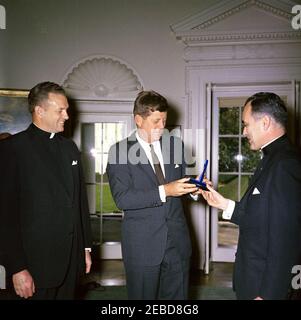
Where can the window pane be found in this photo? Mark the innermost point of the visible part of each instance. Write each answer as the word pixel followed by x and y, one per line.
pixel 228 186
pixel 112 132
pixel 227 231
pixel 245 180
pixel 229 120
pixel 228 151
pixel 250 157
pixel 96 140
pixel 108 202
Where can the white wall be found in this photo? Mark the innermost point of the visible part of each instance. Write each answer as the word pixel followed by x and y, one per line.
pixel 47 37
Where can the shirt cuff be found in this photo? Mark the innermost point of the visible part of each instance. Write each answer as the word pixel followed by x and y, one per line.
pixel 88 249
pixel 227 214
pixel 162 193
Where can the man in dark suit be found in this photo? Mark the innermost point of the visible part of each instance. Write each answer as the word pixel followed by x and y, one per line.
pixel 146 173
pixel 3 135
pixel 269 214
pixel 45 228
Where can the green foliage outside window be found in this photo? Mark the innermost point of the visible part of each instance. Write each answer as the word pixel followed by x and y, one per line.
pixel 229 120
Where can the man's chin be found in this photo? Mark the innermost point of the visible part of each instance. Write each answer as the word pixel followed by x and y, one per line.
pixel 254 148
pixel 156 137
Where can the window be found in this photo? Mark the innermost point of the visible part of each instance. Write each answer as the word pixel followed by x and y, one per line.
pixel 94 134
pixel 236 163
pixel 97 139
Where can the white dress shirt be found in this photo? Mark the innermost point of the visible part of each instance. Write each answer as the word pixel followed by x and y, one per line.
pixel 157 148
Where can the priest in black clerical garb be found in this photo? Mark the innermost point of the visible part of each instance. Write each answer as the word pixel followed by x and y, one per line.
pixel 45 228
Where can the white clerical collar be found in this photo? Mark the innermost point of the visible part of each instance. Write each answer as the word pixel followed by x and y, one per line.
pixel 270 142
pixel 51 134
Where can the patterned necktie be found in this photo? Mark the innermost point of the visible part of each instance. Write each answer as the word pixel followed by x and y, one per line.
pixel 157 166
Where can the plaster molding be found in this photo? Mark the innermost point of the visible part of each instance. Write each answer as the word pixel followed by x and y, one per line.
pixel 238 52
pixel 102 77
pixel 221 23
pixel 243 6
pixel 220 38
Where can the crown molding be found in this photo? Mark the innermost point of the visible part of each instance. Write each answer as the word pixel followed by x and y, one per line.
pixel 244 53
pixel 208 27
pixel 239 37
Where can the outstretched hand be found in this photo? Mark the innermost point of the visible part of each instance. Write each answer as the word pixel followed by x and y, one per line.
pixel 179 187
pixel 214 198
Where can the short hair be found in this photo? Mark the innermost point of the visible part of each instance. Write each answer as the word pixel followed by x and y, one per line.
pixel 39 93
pixel 271 104
pixel 4 135
pixel 149 101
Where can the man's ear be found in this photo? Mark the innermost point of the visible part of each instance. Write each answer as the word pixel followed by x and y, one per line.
pixel 267 121
pixel 138 120
pixel 39 111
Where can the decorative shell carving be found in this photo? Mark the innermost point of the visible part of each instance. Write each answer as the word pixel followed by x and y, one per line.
pixel 102 77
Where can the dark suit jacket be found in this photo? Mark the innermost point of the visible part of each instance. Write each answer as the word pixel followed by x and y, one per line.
pixel 269 219
pixel 147 220
pixel 43 205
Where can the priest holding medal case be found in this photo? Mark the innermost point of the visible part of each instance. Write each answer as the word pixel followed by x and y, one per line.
pixel 269 213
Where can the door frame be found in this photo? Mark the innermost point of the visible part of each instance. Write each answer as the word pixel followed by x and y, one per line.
pixel 96 112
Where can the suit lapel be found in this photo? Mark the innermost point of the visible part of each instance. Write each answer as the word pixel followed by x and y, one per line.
pixel 135 149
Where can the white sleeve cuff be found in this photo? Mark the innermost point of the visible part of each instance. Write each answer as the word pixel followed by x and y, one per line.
pixel 227 214
pixel 162 193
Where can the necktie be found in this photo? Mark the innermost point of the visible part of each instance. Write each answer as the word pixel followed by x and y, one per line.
pixel 157 166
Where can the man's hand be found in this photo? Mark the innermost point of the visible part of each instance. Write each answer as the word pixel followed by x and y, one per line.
pixel 198 192
pixel 88 261
pixel 24 284
pixel 179 187
pixel 214 198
